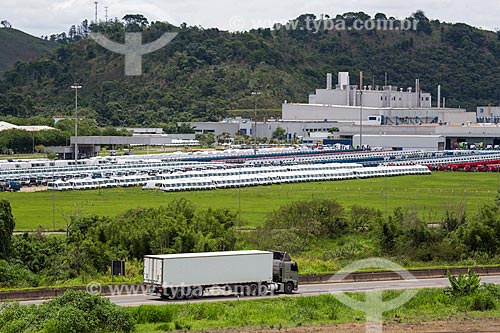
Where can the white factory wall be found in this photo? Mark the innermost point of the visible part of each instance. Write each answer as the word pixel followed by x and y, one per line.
pixel 371 98
pixel 425 142
pixel 308 112
pixel 457 117
pixel 488 111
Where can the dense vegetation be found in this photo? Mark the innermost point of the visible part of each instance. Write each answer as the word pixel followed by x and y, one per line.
pixel 322 235
pixel 429 195
pixel 203 73
pixel 18 141
pixel 325 232
pixel 283 312
pixel 75 311
pixel 19 46
pixel 81 312
pixel 92 242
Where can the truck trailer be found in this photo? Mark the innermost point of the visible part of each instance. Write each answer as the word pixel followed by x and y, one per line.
pixel 249 273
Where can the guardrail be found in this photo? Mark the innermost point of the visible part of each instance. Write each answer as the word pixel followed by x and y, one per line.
pixel 47 293
pixel 388 276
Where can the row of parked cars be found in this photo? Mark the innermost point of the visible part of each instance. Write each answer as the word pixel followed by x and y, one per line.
pixel 98 183
pixel 233 178
pixel 280 176
pixel 439 162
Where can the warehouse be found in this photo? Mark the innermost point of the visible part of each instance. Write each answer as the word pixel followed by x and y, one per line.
pixel 403 142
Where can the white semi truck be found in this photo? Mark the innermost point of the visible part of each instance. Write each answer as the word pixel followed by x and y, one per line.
pixel 250 273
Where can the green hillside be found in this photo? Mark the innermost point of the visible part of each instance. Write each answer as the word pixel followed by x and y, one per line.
pixel 19 46
pixel 203 73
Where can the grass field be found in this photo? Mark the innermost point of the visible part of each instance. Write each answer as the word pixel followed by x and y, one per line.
pixel 325 310
pixel 430 195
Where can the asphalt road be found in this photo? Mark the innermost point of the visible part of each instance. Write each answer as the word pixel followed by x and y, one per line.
pixel 304 290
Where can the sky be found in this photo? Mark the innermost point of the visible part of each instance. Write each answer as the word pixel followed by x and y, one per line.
pixel 45 17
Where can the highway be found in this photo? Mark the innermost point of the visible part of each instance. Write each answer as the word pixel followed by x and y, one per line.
pixel 304 290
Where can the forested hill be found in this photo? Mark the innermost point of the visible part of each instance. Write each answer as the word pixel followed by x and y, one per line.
pixel 19 46
pixel 203 73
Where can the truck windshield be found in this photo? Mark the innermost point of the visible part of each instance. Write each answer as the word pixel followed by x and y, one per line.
pixel 283 256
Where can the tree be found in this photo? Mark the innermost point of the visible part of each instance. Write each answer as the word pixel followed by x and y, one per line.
pixel 72 32
pixel 85 28
pixel 423 23
pixel 7 224
pixel 185 129
pixel 6 24
pixel 333 130
pixel 380 17
pixel 279 134
pixel 224 138
pixel 324 218
pixel 135 22
pixel 206 139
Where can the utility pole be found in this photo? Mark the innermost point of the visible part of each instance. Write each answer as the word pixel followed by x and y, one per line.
pixel 76 87
pixel 95 2
pixel 361 110
pixel 106 14
pixel 255 93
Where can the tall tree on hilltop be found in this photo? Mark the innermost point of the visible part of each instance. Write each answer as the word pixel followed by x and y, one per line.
pixel 135 22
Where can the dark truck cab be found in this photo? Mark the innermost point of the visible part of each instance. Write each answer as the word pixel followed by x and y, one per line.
pixel 285 272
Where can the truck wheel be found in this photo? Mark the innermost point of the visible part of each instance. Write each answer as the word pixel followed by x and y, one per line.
pixel 253 289
pixel 197 292
pixel 188 293
pixel 289 287
pixel 263 289
pixel 178 293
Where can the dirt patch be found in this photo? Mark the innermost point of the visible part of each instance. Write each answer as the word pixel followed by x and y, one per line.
pixel 486 325
pixel 33 188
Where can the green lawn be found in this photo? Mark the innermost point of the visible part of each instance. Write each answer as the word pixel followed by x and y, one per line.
pixel 429 195
pixel 325 310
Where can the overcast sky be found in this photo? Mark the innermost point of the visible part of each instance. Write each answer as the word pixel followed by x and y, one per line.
pixel 45 17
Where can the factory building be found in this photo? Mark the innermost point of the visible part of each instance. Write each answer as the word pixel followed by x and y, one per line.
pixel 371 110
pixel 488 114
pixel 388 105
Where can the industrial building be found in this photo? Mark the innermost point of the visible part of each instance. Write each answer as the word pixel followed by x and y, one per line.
pixel 8 126
pixel 388 105
pixel 90 146
pixel 370 110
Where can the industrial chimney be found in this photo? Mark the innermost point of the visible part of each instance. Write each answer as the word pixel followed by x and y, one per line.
pixel 439 97
pixel 329 81
pixel 344 80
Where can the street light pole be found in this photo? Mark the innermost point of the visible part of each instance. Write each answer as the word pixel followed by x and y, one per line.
pixel 255 93
pixel 361 110
pixel 76 87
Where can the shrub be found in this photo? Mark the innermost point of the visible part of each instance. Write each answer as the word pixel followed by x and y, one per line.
pixel 16 275
pixel 492 289
pixel 482 301
pixel 75 311
pixel 314 218
pixel 464 285
pixel 282 240
pixel 70 320
pixel 10 314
